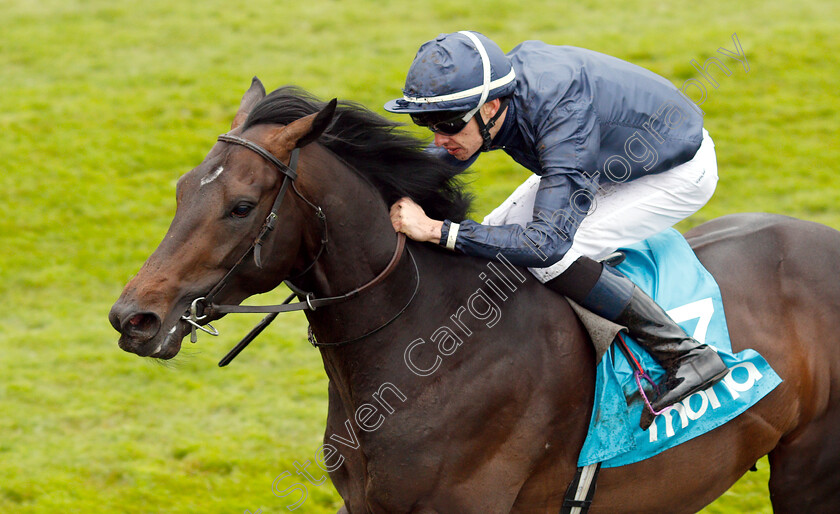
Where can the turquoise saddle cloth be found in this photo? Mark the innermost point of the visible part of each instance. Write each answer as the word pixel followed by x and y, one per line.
pixel 665 267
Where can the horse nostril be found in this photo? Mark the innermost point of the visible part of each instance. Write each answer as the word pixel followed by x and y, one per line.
pixel 114 318
pixel 142 325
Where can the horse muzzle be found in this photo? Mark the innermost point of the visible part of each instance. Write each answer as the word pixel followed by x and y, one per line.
pixel 142 334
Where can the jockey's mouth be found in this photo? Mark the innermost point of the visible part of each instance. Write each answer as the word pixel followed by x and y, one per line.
pixel 454 149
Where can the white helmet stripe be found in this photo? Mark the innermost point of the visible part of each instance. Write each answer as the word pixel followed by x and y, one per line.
pixel 485 64
pixel 462 94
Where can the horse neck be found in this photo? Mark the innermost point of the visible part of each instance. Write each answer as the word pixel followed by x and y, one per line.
pixel 360 238
pixel 361 243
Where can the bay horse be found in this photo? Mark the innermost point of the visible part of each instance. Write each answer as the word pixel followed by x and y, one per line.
pixel 488 416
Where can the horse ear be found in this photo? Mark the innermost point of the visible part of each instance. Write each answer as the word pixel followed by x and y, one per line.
pixel 319 124
pixel 301 132
pixel 254 94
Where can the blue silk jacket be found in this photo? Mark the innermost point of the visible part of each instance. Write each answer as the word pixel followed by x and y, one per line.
pixel 578 119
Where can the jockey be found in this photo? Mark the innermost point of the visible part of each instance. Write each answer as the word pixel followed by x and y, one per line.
pixel 618 155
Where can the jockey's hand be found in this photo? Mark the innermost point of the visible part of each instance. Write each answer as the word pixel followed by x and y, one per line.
pixel 409 218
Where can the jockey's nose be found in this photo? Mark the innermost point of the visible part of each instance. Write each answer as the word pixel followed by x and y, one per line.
pixel 440 139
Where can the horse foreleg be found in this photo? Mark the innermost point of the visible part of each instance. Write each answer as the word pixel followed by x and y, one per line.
pixel 348 478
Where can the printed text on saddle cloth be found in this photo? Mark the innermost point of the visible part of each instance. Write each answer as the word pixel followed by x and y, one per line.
pixel 741 378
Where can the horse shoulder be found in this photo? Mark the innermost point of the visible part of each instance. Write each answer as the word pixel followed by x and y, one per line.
pixel 511 395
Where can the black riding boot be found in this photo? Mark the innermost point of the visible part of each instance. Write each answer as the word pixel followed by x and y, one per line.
pixel 690 366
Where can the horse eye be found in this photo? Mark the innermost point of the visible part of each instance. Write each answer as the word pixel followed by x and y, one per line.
pixel 242 210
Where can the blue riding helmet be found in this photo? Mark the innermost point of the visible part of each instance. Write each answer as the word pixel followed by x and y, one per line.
pixel 455 72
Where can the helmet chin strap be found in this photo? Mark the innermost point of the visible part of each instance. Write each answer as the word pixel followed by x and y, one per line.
pixel 484 128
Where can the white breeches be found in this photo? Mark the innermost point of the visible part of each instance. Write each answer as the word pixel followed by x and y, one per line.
pixel 623 213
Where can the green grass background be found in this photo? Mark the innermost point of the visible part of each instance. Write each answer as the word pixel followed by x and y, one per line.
pixel 103 105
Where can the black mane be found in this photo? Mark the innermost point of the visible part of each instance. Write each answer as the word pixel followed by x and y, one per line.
pixel 377 148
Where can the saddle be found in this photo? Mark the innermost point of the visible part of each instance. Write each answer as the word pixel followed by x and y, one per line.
pixel 665 267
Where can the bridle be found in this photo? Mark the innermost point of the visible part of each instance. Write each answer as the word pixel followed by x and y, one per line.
pixel 203 307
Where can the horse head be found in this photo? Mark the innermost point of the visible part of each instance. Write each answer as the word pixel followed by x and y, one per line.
pixel 222 205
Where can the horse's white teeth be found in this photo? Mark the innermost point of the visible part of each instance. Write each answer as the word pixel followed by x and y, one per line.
pixel 157 350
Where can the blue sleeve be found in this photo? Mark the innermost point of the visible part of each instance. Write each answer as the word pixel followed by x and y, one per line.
pixel 541 242
pixel 567 145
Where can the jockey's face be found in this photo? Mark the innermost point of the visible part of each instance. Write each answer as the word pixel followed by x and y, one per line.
pixel 468 141
pixel 462 145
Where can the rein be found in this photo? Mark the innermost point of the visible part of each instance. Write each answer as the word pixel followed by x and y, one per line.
pixel 203 307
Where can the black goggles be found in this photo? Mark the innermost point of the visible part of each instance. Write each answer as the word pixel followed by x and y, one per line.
pixel 441 122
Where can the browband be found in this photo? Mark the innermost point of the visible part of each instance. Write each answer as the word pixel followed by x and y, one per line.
pixel 286 170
